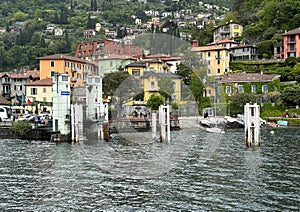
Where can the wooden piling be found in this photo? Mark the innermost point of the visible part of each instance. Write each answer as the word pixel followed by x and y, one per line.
pixel 106 131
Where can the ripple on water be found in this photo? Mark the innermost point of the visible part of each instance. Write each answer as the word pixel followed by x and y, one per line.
pixel 195 171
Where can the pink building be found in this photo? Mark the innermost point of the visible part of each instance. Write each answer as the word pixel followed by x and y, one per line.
pixel 291 43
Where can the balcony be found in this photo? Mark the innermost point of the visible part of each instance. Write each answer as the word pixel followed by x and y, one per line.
pixel 73 79
pixel 5 81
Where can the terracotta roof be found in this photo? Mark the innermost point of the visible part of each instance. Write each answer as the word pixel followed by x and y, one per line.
pixel 64 57
pixel 160 74
pixel 208 48
pixel 4 74
pixel 42 82
pixel 292 32
pixel 234 78
pixel 22 75
pixel 3 101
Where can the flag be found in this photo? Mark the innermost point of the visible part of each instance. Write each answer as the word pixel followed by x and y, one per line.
pixel 25 99
pixel 19 100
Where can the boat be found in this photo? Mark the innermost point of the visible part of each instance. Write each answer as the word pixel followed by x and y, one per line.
pixel 231 122
pixel 213 125
pixel 282 123
pixel 271 124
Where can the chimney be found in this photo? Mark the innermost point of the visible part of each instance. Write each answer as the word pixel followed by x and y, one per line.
pixel 195 43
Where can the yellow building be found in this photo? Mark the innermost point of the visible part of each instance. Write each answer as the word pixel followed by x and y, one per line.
pixel 40 91
pixel 78 69
pixel 136 69
pixel 157 65
pixel 229 30
pixel 150 82
pixel 217 58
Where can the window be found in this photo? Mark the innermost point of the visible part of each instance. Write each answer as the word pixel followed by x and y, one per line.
pixel 219 62
pixel 152 85
pixel 292 47
pixel 208 54
pixel 64 78
pixel 253 88
pixel 228 89
pixel 52 73
pixel 44 90
pixel 97 80
pixel 173 97
pixel 136 72
pixel 208 62
pixel 264 88
pixel 208 92
pixel 208 71
pixel 33 91
pixel 44 99
pixel 219 71
pixel 78 76
pixel 111 63
pixel 236 26
pixel 292 38
pixel 52 63
pixel 241 88
pixel 78 65
pixel 67 64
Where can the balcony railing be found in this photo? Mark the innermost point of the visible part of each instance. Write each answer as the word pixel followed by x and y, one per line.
pixel 73 79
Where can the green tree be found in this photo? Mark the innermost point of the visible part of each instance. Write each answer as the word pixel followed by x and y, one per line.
pixel 155 101
pixel 291 95
pixel 20 16
pixel 196 87
pixel 265 48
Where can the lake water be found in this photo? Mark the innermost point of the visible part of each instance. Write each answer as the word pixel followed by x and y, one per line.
pixel 195 171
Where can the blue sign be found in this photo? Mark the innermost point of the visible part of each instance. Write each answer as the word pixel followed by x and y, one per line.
pixel 65 93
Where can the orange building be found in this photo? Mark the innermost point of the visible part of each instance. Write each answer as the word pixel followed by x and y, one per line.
pixel 291 43
pixel 78 69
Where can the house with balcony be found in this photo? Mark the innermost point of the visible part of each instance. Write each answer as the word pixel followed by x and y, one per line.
pixel 112 63
pixel 136 69
pixel 13 83
pixel 39 93
pixel 150 84
pixel 244 52
pixel 217 58
pixel 229 30
pixel 78 69
pixel 250 83
pixel 291 43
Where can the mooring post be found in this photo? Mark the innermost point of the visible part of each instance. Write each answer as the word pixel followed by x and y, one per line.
pixel 72 123
pixel 168 122
pixel 252 124
pixel 153 126
pixel 164 121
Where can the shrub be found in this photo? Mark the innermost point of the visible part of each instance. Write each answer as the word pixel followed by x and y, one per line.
pixel 21 127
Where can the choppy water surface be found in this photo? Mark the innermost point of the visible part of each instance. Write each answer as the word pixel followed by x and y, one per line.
pixel 195 171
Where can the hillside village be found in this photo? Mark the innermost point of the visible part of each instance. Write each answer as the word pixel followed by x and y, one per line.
pixel 99 57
